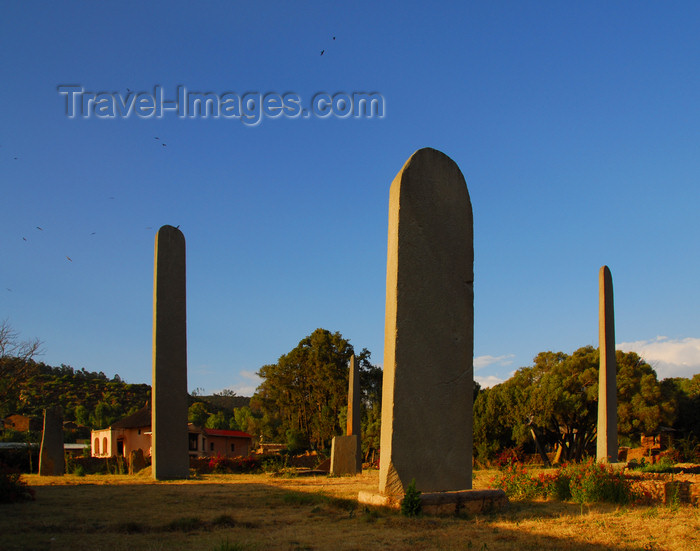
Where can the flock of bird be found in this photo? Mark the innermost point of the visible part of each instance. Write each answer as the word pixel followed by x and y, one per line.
pixel 162 143
pixel 41 229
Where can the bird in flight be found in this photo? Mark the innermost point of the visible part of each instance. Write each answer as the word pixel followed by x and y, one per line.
pixel 322 51
pixel 156 138
pixel 24 238
pixel 40 229
pixel 69 258
pixel 164 144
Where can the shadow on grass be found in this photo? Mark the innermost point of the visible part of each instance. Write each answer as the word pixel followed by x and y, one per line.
pixel 256 512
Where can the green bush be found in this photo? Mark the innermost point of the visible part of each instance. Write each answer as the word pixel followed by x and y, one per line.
pixel 592 482
pixel 411 503
pixel 12 487
pixel 582 482
pixel 665 465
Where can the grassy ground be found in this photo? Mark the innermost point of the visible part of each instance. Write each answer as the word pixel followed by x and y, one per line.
pixel 261 512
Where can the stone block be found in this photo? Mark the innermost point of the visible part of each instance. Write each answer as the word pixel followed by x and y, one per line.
pixel 346 455
pixel 52 461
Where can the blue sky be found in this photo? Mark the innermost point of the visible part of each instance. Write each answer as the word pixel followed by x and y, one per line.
pixel 575 125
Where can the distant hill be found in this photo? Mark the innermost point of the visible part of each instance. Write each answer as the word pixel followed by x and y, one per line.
pixel 90 399
pixel 222 402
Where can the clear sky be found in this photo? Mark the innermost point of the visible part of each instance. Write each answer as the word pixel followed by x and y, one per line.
pixel 576 125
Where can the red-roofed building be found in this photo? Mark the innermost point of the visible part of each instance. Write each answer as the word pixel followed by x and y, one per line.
pixel 229 443
pixel 134 432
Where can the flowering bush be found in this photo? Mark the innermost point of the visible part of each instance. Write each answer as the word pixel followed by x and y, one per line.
pixel 593 481
pixel 507 457
pixel 517 483
pixel 225 465
pixel 584 483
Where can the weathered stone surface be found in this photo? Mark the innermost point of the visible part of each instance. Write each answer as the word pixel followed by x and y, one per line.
pixel 353 422
pixel 136 461
pixel 345 451
pixel 606 446
pixel 429 327
pixel 169 443
pixel 51 457
pixel 444 503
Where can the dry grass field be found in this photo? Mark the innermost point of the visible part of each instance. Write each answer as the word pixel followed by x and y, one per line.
pixel 261 512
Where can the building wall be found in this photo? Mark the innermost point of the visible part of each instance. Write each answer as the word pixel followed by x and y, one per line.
pixel 102 443
pixel 231 446
pixel 137 438
pixel 105 442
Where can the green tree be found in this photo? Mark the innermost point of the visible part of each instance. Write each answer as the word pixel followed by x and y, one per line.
pixel 306 388
pixel 197 414
pixel 217 420
pixel 557 399
pixel 686 393
pixel 82 415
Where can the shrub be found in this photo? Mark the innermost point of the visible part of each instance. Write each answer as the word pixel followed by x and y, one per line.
pixel 12 487
pixel 591 481
pixel 584 483
pixel 665 465
pixel 507 457
pixel 517 483
pixel 232 465
pixel 411 504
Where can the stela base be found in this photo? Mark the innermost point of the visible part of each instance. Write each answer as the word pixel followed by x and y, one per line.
pixel 462 502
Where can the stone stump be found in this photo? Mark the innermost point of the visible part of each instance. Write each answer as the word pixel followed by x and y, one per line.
pixel 346 451
pixel 136 461
pixel 169 442
pixel 52 461
pixel 606 445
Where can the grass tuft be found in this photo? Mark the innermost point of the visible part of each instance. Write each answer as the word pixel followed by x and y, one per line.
pixel 185 524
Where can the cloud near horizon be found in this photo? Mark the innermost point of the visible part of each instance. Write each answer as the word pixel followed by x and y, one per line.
pixel 669 357
pixel 489 380
pixel 482 361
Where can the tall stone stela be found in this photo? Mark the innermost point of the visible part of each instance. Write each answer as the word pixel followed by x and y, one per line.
pixel 51 456
pixel 607 376
pixel 169 441
pixel 346 451
pixel 429 330
pixel 353 421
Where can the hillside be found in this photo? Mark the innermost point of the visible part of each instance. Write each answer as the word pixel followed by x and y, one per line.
pixel 90 399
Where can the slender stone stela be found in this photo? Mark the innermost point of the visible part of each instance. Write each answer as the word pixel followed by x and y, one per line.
pixel 51 458
pixel 169 443
pixel 346 451
pixel 607 377
pixel 429 330
pixel 353 422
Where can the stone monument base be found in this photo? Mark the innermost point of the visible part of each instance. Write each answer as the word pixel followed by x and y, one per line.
pixel 444 503
pixel 346 455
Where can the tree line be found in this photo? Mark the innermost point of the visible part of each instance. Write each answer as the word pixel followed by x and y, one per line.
pixel 302 400
pixel 554 404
